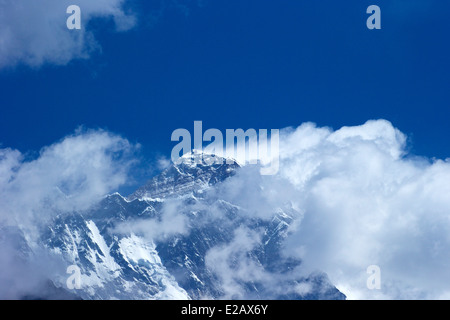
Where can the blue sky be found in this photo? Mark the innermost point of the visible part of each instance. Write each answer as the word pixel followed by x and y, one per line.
pixel 241 64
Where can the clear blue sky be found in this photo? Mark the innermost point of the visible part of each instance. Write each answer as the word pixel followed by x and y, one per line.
pixel 244 64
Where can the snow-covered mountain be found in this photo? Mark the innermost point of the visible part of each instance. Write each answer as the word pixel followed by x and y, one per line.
pixel 194 262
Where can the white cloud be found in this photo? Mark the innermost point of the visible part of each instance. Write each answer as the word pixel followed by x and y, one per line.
pixel 68 176
pixel 237 269
pixel 232 263
pixel 35 32
pixel 171 221
pixel 365 203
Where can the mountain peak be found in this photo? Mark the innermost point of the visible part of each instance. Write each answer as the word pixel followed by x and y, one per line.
pixel 194 171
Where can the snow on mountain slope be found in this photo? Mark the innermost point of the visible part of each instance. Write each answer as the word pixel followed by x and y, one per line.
pixel 204 261
pixel 111 267
pixel 195 172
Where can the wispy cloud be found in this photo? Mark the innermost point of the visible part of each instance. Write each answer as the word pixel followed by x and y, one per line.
pixel 35 32
pixel 170 221
pixel 68 176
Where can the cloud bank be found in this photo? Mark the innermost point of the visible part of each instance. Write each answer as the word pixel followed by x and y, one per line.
pixel 35 32
pixel 365 201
